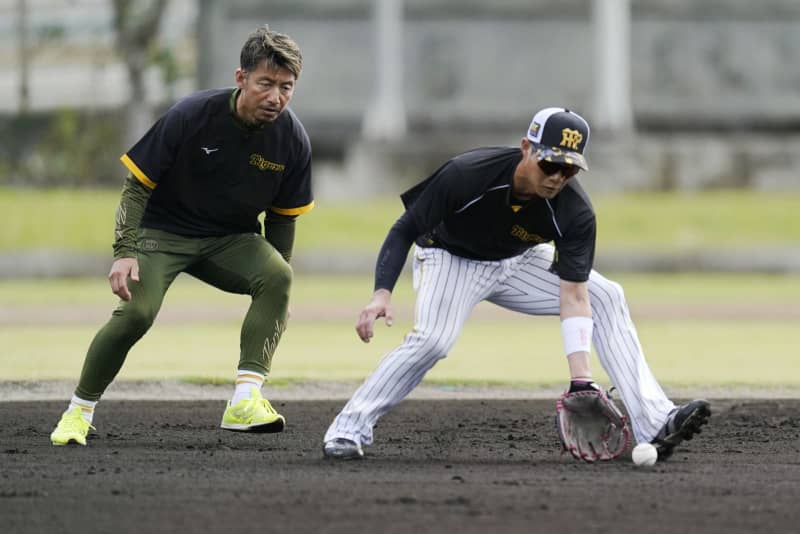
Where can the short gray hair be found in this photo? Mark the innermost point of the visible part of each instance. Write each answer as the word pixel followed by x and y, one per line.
pixel 277 49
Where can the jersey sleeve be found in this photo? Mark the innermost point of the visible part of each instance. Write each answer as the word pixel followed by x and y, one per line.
pixel 393 253
pixel 575 250
pixel 153 155
pixel 295 196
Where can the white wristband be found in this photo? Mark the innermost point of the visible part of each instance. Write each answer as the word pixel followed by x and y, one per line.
pixel 577 334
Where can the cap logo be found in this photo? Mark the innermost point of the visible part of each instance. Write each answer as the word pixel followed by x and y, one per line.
pixel 571 138
pixel 534 129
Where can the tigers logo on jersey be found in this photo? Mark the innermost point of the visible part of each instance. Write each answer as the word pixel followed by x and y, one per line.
pixel 523 235
pixel 264 164
pixel 571 138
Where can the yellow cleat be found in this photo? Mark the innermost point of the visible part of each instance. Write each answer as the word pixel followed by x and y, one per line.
pixel 72 428
pixel 255 414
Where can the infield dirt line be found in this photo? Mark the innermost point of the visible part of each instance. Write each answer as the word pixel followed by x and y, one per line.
pixel 342 390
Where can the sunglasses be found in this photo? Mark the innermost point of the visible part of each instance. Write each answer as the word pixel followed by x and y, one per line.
pixel 549 168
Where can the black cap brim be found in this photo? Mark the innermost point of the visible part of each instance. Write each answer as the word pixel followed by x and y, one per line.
pixel 559 155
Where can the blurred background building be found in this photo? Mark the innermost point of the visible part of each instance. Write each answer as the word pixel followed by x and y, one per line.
pixel 681 94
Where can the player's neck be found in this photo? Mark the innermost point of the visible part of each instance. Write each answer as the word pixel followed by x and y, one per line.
pixel 520 191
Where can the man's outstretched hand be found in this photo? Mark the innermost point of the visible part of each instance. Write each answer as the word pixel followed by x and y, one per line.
pixel 379 306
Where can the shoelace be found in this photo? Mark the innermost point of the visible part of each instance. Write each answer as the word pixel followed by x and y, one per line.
pixel 77 424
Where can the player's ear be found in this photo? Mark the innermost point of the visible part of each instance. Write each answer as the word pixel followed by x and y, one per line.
pixel 240 76
pixel 526 146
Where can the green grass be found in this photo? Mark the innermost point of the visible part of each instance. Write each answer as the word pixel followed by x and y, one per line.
pixel 82 220
pixel 695 221
pixel 321 344
pixel 685 353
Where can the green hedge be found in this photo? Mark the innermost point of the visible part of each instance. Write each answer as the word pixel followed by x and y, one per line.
pixel 62 148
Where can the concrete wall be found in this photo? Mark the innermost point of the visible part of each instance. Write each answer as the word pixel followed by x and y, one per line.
pixel 715 84
pixel 724 63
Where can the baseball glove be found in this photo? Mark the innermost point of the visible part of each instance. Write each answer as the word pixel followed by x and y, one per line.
pixel 590 426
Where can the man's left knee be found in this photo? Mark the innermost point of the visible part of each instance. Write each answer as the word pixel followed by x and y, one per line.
pixel 275 278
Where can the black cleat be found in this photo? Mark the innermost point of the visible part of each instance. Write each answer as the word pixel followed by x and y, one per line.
pixel 342 449
pixel 683 423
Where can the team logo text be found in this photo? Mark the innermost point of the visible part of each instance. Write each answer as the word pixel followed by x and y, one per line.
pixel 571 138
pixel 523 235
pixel 264 164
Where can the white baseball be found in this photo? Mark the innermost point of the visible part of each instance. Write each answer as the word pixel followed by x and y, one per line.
pixel 644 454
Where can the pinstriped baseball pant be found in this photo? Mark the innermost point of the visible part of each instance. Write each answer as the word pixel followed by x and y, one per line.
pixel 449 287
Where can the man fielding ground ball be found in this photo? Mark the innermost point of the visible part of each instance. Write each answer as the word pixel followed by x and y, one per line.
pixel 197 182
pixel 482 224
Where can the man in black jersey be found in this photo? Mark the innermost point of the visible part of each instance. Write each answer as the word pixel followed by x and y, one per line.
pixel 198 181
pixel 482 224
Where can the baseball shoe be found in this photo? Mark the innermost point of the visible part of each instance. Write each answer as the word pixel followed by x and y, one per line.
pixel 71 428
pixel 342 449
pixel 255 414
pixel 682 424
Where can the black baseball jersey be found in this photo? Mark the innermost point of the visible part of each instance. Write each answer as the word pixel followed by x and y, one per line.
pixel 212 175
pixel 467 208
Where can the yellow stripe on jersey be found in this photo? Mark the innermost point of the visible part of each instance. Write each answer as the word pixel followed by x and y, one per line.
pixel 293 211
pixel 137 172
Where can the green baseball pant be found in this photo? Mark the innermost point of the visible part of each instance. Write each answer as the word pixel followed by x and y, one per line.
pixel 239 263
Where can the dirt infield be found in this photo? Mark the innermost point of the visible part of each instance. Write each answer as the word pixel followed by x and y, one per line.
pixel 437 466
